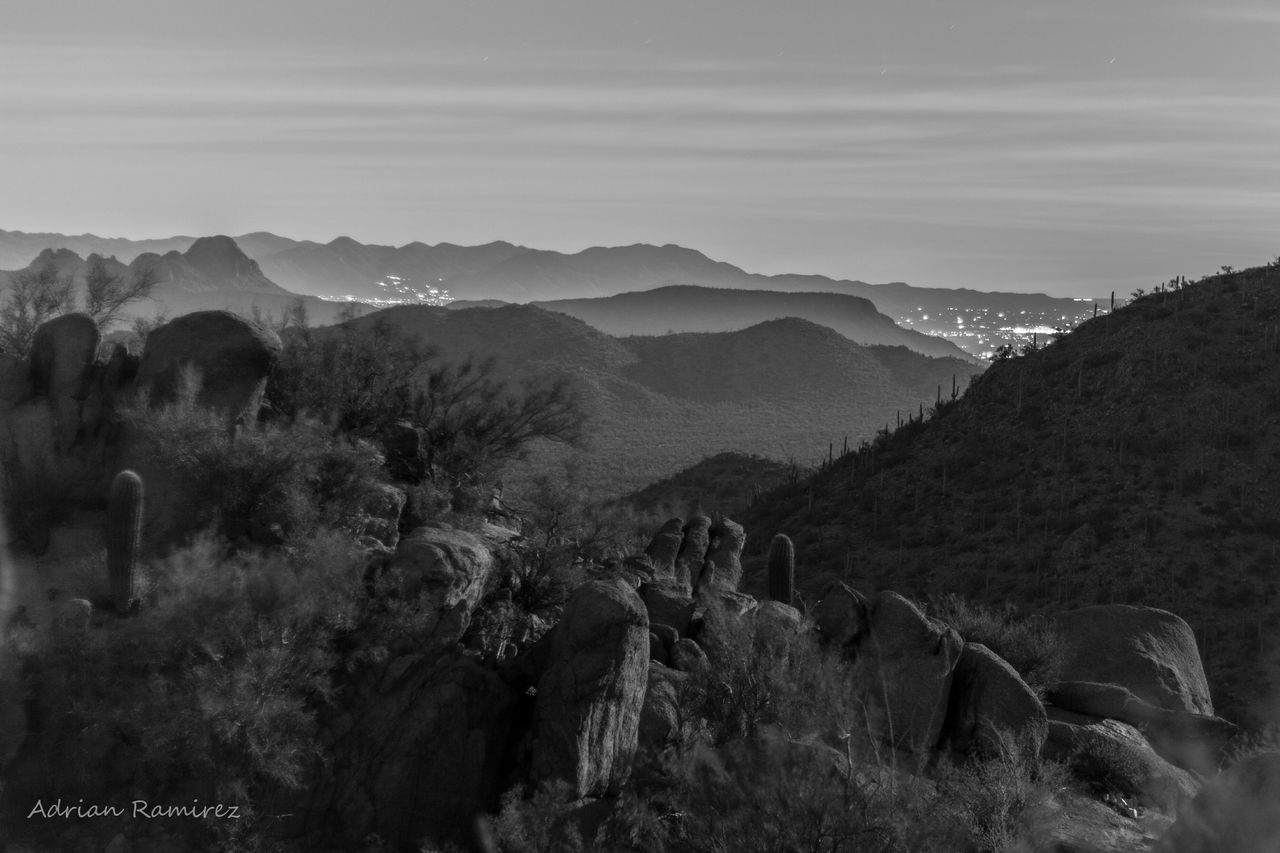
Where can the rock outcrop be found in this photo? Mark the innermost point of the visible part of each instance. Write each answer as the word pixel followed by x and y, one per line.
pixel 992 710
pixel 902 664
pixel 419 755
pixel 1115 755
pixel 446 572
pixel 232 356
pixel 1151 653
pixel 62 355
pixel 587 711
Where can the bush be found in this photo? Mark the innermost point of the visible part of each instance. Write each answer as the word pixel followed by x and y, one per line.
pixel 211 691
pixel 1030 644
pixel 268 484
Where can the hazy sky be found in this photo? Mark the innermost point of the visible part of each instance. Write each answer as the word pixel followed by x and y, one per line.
pixel 1072 147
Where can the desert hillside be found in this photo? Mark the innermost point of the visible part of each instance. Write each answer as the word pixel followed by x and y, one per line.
pixel 1135 459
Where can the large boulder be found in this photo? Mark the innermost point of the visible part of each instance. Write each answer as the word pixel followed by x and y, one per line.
pixel 62 354
pixel 841 617
pixel 668 603
pixel 902 664
pixel 727 538
pixel 587 710
pixel 1115 756
pixel 665 547
pixel 1151 653
pixel 447 571
pixel 660 715
pixel 693 548
pixel 1239 811
pixel 421 756
pixel 991 708
pixel 1196 742
pixel 233 357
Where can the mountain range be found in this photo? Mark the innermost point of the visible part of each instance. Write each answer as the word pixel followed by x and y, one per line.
pixel 1135 460
pixel 344 268
pixel 211 273
pixel 785 388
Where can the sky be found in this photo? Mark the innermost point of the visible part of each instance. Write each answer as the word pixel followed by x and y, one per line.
pixel 1072 148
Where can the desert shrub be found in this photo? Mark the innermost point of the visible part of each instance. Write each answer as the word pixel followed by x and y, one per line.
pixel 210 691
pixel 269 483
pixel 1029 643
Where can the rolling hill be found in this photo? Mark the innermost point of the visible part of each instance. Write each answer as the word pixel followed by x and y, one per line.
pixel 782 389
pixel 1136 459
pixel 689 308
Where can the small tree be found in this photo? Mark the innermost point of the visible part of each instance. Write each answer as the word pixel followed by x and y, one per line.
pixel 33 298
pixel 107 293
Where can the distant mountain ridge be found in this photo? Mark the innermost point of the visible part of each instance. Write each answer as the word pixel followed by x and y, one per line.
pixel 976 321
pixel 690 308
pixel 211 273
pixel 781 389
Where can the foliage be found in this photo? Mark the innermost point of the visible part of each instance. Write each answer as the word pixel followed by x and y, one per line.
pixel 107 293
pixel 33 298
pixel 211 690
pixel 362 378
pixel 270 483
pixel 1030 644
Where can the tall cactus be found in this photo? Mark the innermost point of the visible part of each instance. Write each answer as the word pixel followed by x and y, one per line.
pixel 124 536
pixel 782 569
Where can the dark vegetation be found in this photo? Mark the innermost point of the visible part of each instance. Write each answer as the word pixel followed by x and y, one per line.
pixel 1134 460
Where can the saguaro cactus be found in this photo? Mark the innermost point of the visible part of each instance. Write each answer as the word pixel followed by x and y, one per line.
pixel 124 536
pixel 782 569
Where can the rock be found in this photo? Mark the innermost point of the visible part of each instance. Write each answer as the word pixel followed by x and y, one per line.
pixel 664 547
pixel 657 651
pixel 73 616
pixel 1151 653
pixel 696 537
pixel 232 355
pixel 421 758
pixel 841 617
pixel 688 656
pixel 62 354
pixel 1238 812
pixel 587 711
pixel 667 604
pixel 722 630
pixel 902 667
pixel 727 539
pixel 381 514
pixel 1115 755
pixel 991 708
pixel 660 714
pixel 667 635
pixel 1069 822
pixel 402 445
pixel 1191 741
pixel 777 616
pixel 449 571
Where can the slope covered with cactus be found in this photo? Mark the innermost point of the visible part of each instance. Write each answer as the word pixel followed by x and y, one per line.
pixel 1135 459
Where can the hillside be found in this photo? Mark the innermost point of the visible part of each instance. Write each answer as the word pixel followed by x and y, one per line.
pixel 726 482
pixel 783 389
pixel 1134 460
pixel 977 322
pixel 688 308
